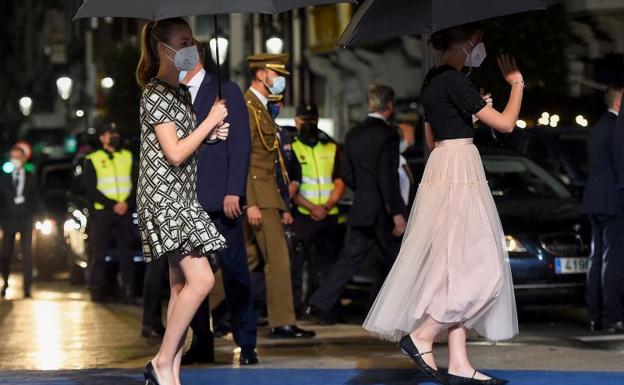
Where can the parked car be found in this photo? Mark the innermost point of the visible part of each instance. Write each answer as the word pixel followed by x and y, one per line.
pixel 60 242
pixel 547 237
pixel 562 150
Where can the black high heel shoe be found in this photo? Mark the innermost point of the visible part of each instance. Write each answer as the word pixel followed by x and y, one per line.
pixel 150 374
pixel 457 380
pixel 407 346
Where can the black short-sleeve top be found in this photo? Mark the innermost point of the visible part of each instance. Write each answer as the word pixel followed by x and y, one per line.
pixel 450 99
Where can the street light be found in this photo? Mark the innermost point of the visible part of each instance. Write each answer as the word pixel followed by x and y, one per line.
pixel 107 83
pixel 275 45
pixel 80 113
pixel 64 87
pixel 25 104
pixel 222 49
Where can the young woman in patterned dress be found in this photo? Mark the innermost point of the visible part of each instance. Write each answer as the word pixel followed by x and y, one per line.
pixel 172 223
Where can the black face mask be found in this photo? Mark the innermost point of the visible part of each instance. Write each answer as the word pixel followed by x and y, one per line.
pixel 309 131
pixel 115 142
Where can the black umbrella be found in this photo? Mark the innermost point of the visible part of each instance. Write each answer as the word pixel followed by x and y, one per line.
pixel 378 20
pixel 164 9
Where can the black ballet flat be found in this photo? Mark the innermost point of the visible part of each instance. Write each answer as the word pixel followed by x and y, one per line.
pixel 457 380
pixel 407 346
pixel 150 374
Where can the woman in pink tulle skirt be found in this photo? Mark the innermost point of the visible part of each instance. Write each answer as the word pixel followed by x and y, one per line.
pixel 452 272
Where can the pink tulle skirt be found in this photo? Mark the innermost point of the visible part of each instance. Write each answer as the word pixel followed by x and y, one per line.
pixel 453 264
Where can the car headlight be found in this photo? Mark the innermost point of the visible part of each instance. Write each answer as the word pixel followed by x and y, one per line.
pixel 46 226
pixel 513 245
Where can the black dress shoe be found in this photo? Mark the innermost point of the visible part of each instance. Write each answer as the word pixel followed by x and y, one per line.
pixel 150 374
pixel 198 356
pixel 594 326
pixel 323 318
pixel 154 333
pixel 248 356
pixel 290 331
pixel 407 346
pixel 617 327
pixel 457 380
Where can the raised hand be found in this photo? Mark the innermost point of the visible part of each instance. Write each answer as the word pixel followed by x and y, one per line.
pixel 509 68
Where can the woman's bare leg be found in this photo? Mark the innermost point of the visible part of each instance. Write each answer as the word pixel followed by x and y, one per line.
pixel 198 280
pixel 424 336
pixel 176 281
pixel 459 365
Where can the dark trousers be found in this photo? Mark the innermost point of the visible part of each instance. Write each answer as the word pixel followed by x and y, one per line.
pixel 153 293
pixel 605 275
pixel 316 244
pixel 25 230
pixel 237 285
pixel 107 228
pixel 358 243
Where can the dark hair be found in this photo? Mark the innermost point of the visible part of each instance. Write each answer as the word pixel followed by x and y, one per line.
pixel 152 33
pixel 614 91
pixel 444 39
pixel 379 96
pixel 254 71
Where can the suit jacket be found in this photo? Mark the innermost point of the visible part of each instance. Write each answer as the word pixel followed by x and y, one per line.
pixel 222 166
pixel 601 193
pixel 16 213
pixel 618 150
pixel 262 187
pixel 370 168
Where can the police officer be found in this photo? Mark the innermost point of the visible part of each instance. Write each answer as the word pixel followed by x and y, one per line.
pixel 264 232
pixel 109 176
pixel 319 188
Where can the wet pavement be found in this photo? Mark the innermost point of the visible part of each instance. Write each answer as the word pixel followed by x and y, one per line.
pixel 60 329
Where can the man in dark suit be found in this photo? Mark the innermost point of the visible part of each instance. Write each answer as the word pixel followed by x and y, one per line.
pixel 378 215
pixel 18 197
pixel 221 184
pixel 605 207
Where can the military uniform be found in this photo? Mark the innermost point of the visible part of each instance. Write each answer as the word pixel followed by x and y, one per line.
pixel 267 242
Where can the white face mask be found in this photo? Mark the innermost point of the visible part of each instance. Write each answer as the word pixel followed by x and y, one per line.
pixel 476 56
pixel 17 163
pixel 279 85
pixel 403 146
pixel 186 58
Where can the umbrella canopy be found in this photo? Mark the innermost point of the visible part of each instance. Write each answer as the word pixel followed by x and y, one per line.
pixel 378 20
pixel 164 9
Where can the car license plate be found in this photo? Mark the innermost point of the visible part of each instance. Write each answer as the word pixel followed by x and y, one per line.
pixel 570 265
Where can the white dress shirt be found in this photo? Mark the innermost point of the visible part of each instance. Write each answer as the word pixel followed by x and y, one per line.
pixel 263 99
pixel 404 180
pixel 378 116
pixel 19 176
pixel 195 82
pixel 614 111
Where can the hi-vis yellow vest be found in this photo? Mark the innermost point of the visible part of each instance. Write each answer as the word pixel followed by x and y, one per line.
pixel 114 176
pixel 317 168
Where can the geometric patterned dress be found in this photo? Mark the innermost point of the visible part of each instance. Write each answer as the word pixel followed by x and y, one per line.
pixel 171 220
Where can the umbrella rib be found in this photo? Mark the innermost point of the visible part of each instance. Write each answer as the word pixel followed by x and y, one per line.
pixel 355 20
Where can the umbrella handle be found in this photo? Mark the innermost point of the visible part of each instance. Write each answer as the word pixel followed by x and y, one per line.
pixel 217 55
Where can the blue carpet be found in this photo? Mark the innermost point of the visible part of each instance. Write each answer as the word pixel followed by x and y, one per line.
pixel 296 377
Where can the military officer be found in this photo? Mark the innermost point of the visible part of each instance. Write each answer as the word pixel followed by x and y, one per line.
pixel 264 231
